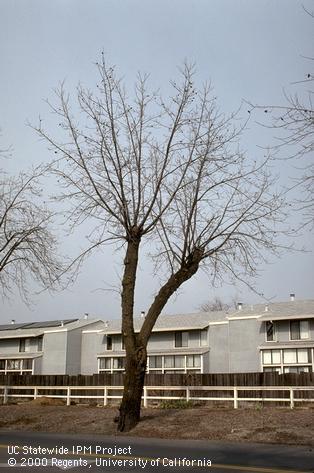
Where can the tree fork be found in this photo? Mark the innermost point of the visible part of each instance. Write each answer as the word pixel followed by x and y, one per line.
pixel 135 368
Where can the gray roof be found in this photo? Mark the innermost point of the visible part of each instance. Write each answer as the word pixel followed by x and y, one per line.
pixel 166 323
pixel 43 324
pixel 278 310
pixel 193 321
pixel 30 330
pixel 20 333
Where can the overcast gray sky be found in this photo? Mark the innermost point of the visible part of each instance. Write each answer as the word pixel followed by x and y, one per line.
pixel 249 49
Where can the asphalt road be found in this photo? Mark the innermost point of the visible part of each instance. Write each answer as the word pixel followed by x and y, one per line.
pixel 42 452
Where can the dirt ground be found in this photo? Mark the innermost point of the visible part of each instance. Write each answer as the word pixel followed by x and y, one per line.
pixel 269 424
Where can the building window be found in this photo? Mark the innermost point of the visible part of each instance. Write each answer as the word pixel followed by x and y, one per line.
pixel 14 365
pixel 176 363
pixel 27 364
pixel 290 356
pixel 297 369
pixel 22 365
pixel 304 355
pixel 179 361
pixel 40 344
pixel 297 355
pixel 271 369
pixel 204 338
pixel 117 363
pixel 299 329
pixel 169 361
pixel 122 342
pixel 271 357
pixel 193 361
pixel 299 359
pixel 109 343
pixel 105 364
pixel 181 339
pixel 155 362
pixel 270 331
pixel 22 345
pixel 25 345
pixel 111 364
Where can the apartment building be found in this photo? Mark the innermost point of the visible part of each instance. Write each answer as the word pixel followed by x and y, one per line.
pixel 178 344
pixel 288 345
pixel 263 337
pixel 50 347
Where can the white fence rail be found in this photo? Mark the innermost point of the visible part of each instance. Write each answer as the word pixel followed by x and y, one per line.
pixel 70 393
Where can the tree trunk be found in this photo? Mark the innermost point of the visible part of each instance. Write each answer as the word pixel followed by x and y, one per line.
pixel 187 270
pixel 135 344
pixel 135 365
pixel 130 408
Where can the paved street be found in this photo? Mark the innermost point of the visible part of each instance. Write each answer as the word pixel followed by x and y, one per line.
pixel 53 453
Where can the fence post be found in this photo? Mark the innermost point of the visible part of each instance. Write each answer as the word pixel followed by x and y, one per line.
pixel 35 393
pixel 68 396
pixel 235 397
pixel 105 396
pixel 5 395
pixel 291 398
pixel 145 396
pixel 187 393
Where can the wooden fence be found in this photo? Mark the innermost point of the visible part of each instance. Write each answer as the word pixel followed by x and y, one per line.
pixel 152 379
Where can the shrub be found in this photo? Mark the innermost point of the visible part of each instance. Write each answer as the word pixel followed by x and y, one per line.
pixel 176 404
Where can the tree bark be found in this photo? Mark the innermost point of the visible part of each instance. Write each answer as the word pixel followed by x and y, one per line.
pixel 130 407
pixel 135 365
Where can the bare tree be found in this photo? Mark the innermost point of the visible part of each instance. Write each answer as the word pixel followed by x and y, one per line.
pixel 168 172
pixel 293 122
pixel 216 305
pixel 27 246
